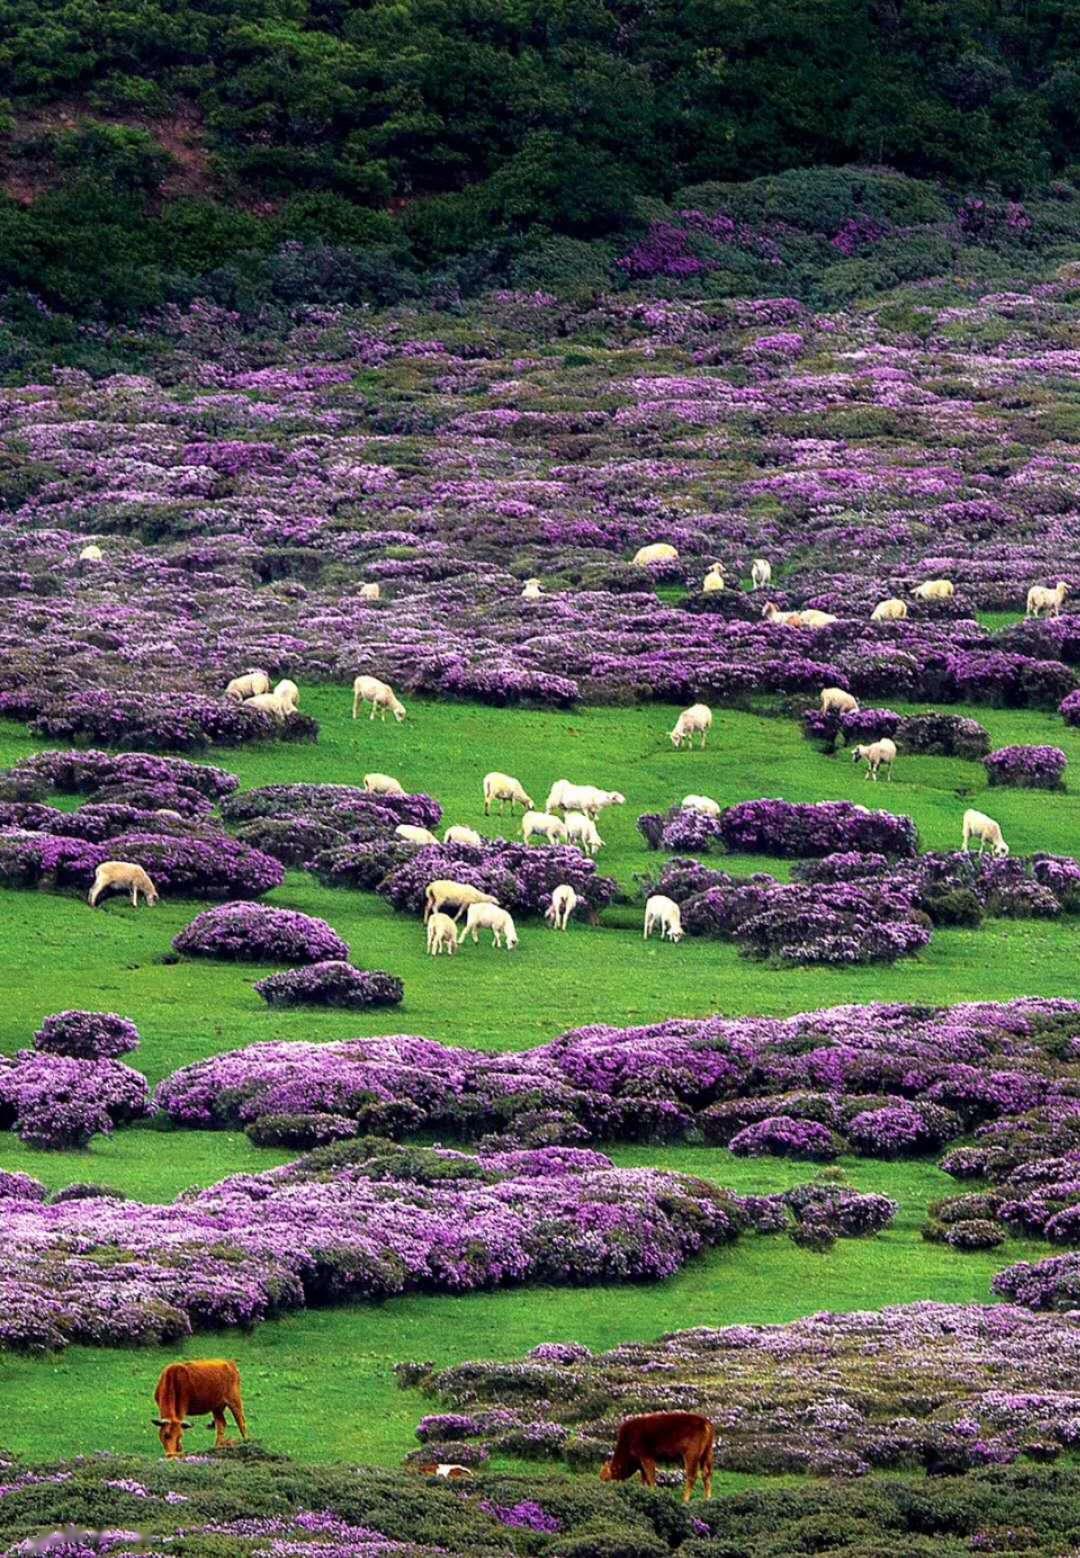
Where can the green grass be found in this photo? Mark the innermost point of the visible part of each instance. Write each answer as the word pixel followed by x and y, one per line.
pixel 319 1383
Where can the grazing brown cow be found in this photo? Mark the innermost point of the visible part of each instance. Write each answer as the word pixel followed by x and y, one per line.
pixel 663 1436
pixel 208 1385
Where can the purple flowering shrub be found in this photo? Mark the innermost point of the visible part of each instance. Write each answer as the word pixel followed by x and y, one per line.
pixel 87 1035
pixel 1069 708
pixel 1027 768
pixel 774 827
pixel 57 1102
pixel 783 1137
pixel 519 876
pixel 256 933
pixel 89 772
pixel 340 806
pixel 164 722
pixel 681 829
pixel 331 983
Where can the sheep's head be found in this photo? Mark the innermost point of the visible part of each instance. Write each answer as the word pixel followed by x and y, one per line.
pixel 1001 849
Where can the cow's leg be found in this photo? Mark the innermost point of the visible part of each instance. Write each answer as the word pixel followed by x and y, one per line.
pixel 220 1440
pixel 690 1471
pixel 648 1471
pixel 706 1470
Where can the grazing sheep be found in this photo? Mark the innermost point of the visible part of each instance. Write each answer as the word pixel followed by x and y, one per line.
pixel 891 610
pixel 414 835
pixel 564 901
pixel 443 891
pixel 441 935
pixel 503 788
pixel 784 619
pixel 369 689
pixel 1039 599
pixel 382 784
pixel 370 592
pixel 251 685
pixel 531 590
pixel 700 803
pixel 878 754
pixel 697 719
pixel 489 916
pixel 581 830
pixel 811 617
pixel 836 700
pixel 760 572
pixel 663 912
pixel 713 580
pixel 459 834
pixel 542 823
pixel 91 554
pixel 289 694
pixel 977 825
pixel 271 704
pixel 564 796
pixel 658 552
pixel 126 877
pixel 934 589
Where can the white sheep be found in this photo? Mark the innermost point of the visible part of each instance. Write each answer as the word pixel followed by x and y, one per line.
pixel 657 552
pixel 564 900
pixel 785 619
pixel 441 935
pixel 878 754
pixel 701 803
pixel 891 610
pixel 460 834
pixel 381 696
pixel 370 592
pixel 1039 599
pixel 382 784
pixel 122 874
pixel 564 796
pixel 270 703
pixel 443 891
pixel 414 835
pixel 696 720
pixel 977 825
pixel 663 912
pixel 544 825
pixel 288 693
pixel 531 590
pixel 834 700
pixel 713 580
pixel 934 589
pixel 581 830
pixel 251 685
pixel 760 572
pixel 503 788
pixel 91 554
pixel 811 617
pixel 488 916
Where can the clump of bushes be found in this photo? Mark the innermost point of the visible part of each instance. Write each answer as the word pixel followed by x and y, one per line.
pixel 1027 768
pixel 87 1035
pixel 332 982
pixel 256 933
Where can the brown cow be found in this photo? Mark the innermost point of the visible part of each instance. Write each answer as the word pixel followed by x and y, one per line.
pixel 207 1385
pixel 663 1436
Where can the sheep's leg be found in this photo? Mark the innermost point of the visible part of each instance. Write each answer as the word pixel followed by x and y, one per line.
pixel 134 895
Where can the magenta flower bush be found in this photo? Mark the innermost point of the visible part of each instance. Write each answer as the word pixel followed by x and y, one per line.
pixel 57 1102
pixel 214 866
pixel 770 827
pixel 164 722
pixel 1027 768
pixel 1069 708
pixel 341 806
pixel 782 1137
pixel 255 933
pixel 88 773
pixel 520 877
pixel 331 983
pixel 87 1035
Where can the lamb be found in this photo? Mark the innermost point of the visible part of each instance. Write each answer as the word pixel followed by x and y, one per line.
pixel 444 891
pixel 581 830
pixel 382 784
pixel 891 610
pixel 713 580
pixel 934 589
pixel 760 572
pixel 700 803
pixel 977 825
pixel 370 592
pixel 663 912
pixel 1039 598
pixel 289 694
pixel 414 835
pixel 459 834
pixel 697 719
pixel 564 796
pixel 441 935
pixel 531 590
pixel 489 916
pixel 836 700
pixel 369 689
pixel 878 754
pixel 658 552
pixel 125 876
pixel 545 825
pixel 503 788
pixel 564 900
pixel 91 554
pixel 270 703
pixel 251 685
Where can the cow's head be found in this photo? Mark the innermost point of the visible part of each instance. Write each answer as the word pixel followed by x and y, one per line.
pixel 171 1433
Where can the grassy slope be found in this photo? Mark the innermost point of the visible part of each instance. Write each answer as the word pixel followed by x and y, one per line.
pixel 60 955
